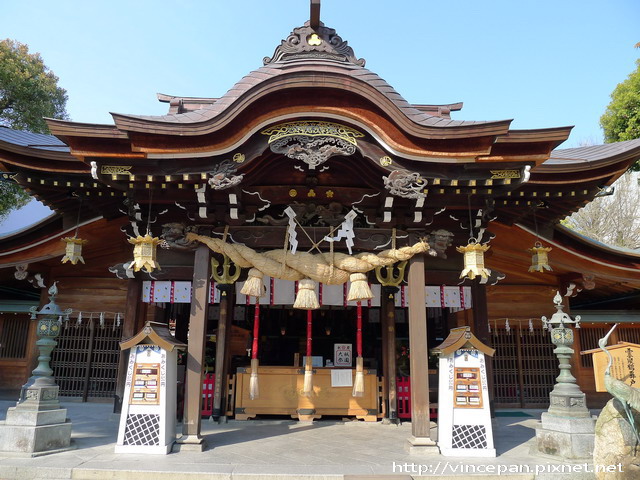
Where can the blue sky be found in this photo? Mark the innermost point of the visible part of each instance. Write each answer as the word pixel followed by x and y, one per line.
pixel 542 63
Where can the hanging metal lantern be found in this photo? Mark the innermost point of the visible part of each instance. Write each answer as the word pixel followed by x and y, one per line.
pixel 539 258
pixel 73 250
pixel 474 260
pixel 144 253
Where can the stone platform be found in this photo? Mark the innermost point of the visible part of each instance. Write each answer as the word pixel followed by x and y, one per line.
pixel 282 449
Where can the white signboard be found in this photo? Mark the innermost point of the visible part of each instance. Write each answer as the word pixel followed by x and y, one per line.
pixel 342 378
pixel 342 354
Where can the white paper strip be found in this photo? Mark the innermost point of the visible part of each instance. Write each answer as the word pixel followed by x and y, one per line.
pixel 291 230
pixel 345 231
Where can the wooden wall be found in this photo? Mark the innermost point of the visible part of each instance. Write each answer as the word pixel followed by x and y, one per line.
pixel 92 294
pixel 520 301
pixel 15 371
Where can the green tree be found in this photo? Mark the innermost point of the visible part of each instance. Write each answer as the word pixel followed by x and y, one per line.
pixel 28 92
pixel 621 120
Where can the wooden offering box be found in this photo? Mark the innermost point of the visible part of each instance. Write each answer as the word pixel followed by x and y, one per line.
pixel 280 391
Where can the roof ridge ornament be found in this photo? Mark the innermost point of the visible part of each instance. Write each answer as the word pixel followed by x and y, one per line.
pixel 307 42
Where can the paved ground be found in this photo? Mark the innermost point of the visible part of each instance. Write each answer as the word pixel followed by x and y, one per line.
pixel 272 449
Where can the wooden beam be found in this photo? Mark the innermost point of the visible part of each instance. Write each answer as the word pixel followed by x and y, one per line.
pixel 222 344
pixel 481 330
pixel 191 438
pixel 420 440
pixel 389 350
pixel 314 16
pixel 134 294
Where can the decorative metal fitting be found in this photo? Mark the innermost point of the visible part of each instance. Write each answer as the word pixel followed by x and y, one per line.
pixel 388 279
pixel 560 318
pixel 225 277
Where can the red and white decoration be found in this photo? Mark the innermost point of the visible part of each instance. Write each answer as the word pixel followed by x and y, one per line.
pixel 173 292
pixel 283 292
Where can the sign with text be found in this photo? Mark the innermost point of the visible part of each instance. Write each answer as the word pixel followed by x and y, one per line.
pixel 626 357
pixel 342 354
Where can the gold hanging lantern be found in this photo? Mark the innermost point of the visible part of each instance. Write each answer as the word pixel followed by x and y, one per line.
pixel 474 260
pixel 73 250
pixel 539 258
pixel 144 253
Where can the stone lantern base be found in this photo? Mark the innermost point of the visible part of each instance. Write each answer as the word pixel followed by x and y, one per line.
pixel 567 430
pixel 36 425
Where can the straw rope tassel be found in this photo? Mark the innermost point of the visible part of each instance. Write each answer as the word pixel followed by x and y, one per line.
pixel 358 384
pixel 254 285
pixel 306 297
pixel 307 388
pixel 254 391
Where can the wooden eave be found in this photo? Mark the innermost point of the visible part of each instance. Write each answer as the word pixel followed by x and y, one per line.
pixel 32 160
pixel 154 333
pixel 43 242
pixel 613 271
pixel 619 163
pixel 67 128
pixel 42 153
pixel 459 338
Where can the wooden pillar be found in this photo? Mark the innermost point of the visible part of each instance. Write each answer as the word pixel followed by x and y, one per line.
pixel 481 331
pixel 420 441
pixel 222 346
pixel 191 438
pixel 129 322
pixel 389 350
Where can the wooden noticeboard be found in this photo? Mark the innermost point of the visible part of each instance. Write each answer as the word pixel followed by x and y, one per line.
pixel 626 360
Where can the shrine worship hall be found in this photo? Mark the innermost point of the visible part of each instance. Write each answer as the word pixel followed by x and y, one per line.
pixel 309 246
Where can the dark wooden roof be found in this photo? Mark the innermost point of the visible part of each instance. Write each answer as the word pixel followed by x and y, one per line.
pixel 305 75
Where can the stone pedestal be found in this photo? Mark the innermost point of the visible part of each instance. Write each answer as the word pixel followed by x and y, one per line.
pixel 565 438
pixel 566 430
pixel 615 444
pixel 190 443
pixel 37 425
pixel 421 446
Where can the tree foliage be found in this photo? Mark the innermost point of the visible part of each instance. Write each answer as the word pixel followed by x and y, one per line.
pixel 29 91
pixel 621 120
pixel 614 219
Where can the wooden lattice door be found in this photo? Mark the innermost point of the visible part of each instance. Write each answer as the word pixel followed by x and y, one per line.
pixel 85 362
pixel 524 366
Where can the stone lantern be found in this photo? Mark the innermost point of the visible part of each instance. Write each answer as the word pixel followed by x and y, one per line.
pixel 37 424
pixel 567 429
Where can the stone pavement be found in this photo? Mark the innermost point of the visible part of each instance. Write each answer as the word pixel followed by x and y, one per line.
pixel 274 449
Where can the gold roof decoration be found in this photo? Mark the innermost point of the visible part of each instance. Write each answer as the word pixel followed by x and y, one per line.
pixel 144 253
pixel 73 250
pixel 474 260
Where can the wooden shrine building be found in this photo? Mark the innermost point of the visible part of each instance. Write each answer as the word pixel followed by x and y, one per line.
pixel 315 154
